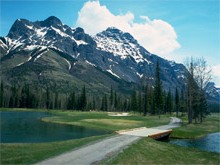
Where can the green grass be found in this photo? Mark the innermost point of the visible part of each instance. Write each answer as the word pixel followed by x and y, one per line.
pixel 148 151
pixel 145 151
pixel 31 153
pixel 34 152
pixel 210 125
pixel 101 120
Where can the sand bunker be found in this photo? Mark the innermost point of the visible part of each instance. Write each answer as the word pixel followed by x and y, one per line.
pixel 117 114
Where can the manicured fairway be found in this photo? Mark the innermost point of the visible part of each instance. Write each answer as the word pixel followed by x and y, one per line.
pixel 144 151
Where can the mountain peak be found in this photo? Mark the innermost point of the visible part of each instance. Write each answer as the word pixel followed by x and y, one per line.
pixel 117 34
pixel 112 51
pixel 52 20
pixel 113 30
pixel 120 44
pixel 18 28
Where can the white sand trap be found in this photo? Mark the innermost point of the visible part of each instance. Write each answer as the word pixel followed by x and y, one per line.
pixel 117 114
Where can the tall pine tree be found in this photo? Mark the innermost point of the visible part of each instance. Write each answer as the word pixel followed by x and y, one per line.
pixel 83 99
pixel 1 94
pixel 134 105
pixel 146 101
pixel 177 103
pixel 111 99
pixel 158 90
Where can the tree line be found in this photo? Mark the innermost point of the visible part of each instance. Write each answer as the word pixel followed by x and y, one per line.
pixel 142 100
pixel 147 99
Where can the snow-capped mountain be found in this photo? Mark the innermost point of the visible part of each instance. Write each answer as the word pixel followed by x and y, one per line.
pixel 212 91
pixel 49 46
pixel 127 52
pixel 121 44
pixel 51 33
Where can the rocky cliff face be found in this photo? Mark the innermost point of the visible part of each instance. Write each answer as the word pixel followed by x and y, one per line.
pixel 51 45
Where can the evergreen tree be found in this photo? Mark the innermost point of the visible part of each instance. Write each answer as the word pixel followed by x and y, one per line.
pixel 1 95
pixel 125 105
pixel 177 102
pixel 23 98
pixel 163 103
pixel 13 101
pixel 72 101
pixel 197 79
pixel 140 105
pixel 116 101
pixel 158 90
pixel 56 106
pixel 182 102
pixel 29 97
pixel 203 106
pixel 104 106
pixel 146 101
pixel 169 102
pixel 151 101
pixel 83 99
pixel 191 94
pixel 94 103
pixel 134 105
pixel 111 99
pixel 47 98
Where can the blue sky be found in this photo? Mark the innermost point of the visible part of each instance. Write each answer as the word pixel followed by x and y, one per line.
pixel 192 24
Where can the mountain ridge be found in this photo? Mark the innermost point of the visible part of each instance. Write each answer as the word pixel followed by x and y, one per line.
pixel 62 50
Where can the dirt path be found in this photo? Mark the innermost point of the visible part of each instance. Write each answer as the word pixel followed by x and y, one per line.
pixel 91 154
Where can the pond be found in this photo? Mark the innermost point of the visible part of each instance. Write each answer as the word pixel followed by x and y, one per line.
pixel 210 142
pixel 26 127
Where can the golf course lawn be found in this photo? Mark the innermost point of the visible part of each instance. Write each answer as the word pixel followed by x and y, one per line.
pixel 145 150
pixel 149 151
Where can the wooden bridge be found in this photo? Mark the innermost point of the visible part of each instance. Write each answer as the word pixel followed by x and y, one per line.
pixel 158 134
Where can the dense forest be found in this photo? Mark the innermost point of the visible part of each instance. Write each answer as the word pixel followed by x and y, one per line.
pixel 152 100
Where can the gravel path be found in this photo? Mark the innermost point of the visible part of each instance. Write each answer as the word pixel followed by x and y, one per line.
pixel 174 122
pixel 92 154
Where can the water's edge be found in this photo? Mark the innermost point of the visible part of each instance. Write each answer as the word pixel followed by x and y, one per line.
pixel 210 142
pixel 27 127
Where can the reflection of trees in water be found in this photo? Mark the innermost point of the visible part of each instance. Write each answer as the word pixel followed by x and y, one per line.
pixel 210 142
pixel 27 127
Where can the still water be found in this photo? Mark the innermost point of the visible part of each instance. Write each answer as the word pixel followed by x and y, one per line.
pixel 26 127
pixel 210 142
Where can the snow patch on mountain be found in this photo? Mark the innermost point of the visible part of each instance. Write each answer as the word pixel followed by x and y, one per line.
pixel 112 50
pixel 25 61
pixel 110 71
pixel 29 27
pixel 90 63
pixel 140 75
pixel 30 47
pixel 80 42
pixel 50 32
pixel 212 91
pixel 42 51
pixel 120 44
pixel 68 63
pixel 41 32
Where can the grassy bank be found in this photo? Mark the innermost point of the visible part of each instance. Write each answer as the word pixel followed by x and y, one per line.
pixel 22 153
pixel 210 125
pixel 149 151
pixel 101 120
pixel 145 151
pixel 31 153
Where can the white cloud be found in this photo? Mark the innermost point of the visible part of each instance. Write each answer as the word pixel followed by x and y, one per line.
pixel 155 35
pixel 216 74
